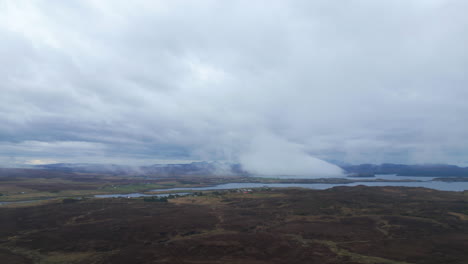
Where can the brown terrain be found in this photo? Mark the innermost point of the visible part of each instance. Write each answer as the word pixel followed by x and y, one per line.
pixel 340 225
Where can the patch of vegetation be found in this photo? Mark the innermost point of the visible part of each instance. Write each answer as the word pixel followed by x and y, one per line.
pixel 130 188
pixel 70 200
pixel 155 199
pixel 349 225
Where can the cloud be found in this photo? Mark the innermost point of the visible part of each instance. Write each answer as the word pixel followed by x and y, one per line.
pixel 361 81
pixel 269 155
pixel 40 162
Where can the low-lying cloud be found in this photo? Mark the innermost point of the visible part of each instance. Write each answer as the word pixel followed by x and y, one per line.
pixel 269 155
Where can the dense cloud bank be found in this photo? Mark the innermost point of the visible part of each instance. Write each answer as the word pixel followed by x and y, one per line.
pixel 266 83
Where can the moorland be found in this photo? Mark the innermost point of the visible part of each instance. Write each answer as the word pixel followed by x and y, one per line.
pixel 351 225
pixel 18 184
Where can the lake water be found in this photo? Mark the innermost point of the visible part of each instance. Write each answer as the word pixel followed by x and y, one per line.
pixel 422 182
pixel 392 177
pixel 134 195
pixel 442 186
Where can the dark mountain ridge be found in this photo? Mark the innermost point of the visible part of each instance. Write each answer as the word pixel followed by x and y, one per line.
pixel 194 168
pixel 430 170
pixel 226 169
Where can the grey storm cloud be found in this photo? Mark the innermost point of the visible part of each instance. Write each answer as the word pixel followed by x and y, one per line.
pixel 138 81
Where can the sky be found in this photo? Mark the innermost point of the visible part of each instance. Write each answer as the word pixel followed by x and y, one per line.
pixel 275 85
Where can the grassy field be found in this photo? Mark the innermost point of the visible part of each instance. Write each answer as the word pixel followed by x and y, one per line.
pixel 33 188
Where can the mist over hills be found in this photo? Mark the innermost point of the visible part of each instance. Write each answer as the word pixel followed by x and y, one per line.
pixel 230 169
pixel 435 170
pixel 194 168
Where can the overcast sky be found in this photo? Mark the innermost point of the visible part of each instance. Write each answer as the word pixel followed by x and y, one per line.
pixel 140 82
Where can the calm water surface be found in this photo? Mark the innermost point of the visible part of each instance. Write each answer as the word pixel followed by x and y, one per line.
pixel 134 195
pixel 423 182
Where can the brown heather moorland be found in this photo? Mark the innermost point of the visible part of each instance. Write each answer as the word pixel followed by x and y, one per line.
pixel 341 225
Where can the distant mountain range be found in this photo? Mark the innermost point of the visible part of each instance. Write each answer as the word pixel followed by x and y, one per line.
pixel 227 169
pixel 194 168
pixel 432 170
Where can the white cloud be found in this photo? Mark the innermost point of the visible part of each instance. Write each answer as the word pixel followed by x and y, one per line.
pixel 40 162
pixel 358 81
pixel 269 155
